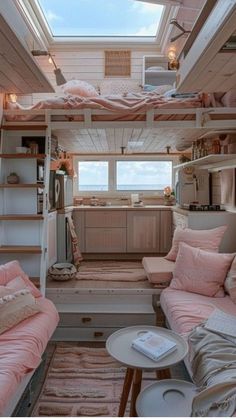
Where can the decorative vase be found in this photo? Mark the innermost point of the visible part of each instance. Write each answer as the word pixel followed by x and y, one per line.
pixel 13 178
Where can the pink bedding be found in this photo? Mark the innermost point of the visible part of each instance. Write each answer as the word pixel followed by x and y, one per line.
pixel 21 348
pixel 184 310
pixel 131 107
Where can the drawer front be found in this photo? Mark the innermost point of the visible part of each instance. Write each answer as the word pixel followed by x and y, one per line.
pixel 88 320
pixel 180 220
pixel 105 218
pixel 110 240
pixel 80 334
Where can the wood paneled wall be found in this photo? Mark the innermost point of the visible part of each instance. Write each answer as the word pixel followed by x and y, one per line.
pixel 87 65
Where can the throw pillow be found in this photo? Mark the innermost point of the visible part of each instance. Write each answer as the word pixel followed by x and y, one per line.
pixel 12 270
pixel 200 271
pixel 16 307
pixel 230 282
pixel 79 88
pixel 204 239
pixel 119 87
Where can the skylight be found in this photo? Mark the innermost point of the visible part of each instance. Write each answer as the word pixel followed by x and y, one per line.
pixel 102 18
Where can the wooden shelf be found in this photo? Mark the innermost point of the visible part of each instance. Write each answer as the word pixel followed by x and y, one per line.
pixel 21 217
pixel 22 185
pixel 213 161
pixel 22 156
pixel 21 249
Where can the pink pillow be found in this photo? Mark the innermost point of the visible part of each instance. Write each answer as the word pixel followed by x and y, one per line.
pixel 79 88
pixel 11 270
pixel 200 271
pixel 204 239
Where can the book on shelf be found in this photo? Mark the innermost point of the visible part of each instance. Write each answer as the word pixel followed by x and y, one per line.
pixel 153 345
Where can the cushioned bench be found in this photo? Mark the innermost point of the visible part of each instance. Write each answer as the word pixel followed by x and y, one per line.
pixel 158 269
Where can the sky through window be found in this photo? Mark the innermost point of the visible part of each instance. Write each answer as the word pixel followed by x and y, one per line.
pixel 101 18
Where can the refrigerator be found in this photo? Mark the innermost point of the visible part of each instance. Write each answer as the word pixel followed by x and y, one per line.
pixel 192 186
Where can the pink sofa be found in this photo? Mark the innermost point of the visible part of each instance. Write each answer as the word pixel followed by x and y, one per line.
pixel 22 346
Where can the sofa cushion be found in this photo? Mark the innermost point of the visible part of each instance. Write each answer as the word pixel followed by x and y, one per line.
pixel 199 271
pixel 12 270
pixel 16 307
pixel 185 310
pixel 158 269
pixel 204 239
pixel 230 282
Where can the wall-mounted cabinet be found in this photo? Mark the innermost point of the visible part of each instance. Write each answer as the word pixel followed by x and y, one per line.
pixel 155 77
pixel 23 224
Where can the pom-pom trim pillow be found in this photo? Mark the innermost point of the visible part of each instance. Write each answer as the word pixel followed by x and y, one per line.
pixel 199 271
pixel 79 88
pixel 204 239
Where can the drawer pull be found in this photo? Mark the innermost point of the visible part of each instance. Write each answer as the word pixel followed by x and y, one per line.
pixel 86 319
pixel 98 334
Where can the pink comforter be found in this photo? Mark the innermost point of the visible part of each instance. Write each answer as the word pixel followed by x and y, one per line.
pixel 21 348
pixel 129 107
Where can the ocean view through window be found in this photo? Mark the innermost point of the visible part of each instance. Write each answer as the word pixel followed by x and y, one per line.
pixel 143 175
pixel 93 176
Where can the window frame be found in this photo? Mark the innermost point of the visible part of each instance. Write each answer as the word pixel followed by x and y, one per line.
pixel 112 191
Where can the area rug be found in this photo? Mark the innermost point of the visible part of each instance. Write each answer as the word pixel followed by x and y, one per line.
pixel 111 271
pixel 82 381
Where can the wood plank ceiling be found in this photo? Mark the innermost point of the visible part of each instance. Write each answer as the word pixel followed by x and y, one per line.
pixel 111 140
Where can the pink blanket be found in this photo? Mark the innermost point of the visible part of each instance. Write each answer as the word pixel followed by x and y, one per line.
pixel 130 107
pixel 21 348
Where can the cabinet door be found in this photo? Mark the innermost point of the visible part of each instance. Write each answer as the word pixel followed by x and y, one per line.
pixel 108 240
pixel 52 238
pixel 106 218
pixel 166 231
pixel 143 231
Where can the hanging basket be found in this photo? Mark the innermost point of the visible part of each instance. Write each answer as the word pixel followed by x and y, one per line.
pixel 62 271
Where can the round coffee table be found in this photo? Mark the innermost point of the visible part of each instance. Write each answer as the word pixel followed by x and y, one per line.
pixel 166 398
pixel 119 347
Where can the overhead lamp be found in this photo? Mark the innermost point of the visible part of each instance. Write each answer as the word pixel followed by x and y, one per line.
pixel 12 98
pixel 173 63
pixel 60 79
pixel 180 27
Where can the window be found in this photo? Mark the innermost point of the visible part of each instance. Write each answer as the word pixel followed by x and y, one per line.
pixel 102 18
pixel 143 175
pixel 118 176
pixel 93 176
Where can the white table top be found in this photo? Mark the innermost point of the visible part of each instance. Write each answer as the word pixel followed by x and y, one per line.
pixel 119 347
pixel 166 398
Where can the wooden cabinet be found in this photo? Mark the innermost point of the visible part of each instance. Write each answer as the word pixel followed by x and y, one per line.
pixel 143 231
pixel 105 231
pixel 165 231
pixel 23 228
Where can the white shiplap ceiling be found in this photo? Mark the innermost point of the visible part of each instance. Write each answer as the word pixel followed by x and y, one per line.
pixel 110 140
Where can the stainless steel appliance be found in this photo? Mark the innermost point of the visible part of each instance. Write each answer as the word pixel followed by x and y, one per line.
pixel 192 186
pixel 63 191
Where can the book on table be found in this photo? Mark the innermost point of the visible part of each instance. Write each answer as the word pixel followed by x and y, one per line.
pixel 154 346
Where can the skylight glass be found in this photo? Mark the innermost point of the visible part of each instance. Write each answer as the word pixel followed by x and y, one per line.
pixel 102 18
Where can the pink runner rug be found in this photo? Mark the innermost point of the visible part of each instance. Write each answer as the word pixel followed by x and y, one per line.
pixel 82 381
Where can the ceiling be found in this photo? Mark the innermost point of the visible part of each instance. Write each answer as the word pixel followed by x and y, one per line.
pixel 110 140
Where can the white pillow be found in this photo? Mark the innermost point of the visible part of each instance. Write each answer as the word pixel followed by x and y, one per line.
pixel 79 88
pixel 119 87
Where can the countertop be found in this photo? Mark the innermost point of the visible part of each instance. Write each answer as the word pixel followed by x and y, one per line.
pixel 121 207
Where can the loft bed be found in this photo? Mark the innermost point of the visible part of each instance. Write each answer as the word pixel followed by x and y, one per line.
pixel 148 110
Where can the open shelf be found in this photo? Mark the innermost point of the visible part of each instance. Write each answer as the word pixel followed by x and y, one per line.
pixel 21 217
pixel 22 156
pixel 22 185
pixel 212 161
pixel 21 249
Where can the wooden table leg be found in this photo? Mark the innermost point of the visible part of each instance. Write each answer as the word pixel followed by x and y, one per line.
pixel 125 391
pixel 163 374
pixel 137 381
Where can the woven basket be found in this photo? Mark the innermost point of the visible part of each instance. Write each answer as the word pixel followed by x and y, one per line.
pixel 62 271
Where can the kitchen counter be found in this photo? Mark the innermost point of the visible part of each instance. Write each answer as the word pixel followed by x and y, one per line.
pixel 121 207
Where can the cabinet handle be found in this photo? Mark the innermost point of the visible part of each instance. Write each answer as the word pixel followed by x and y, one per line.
pixel 86 319
pixel 98 334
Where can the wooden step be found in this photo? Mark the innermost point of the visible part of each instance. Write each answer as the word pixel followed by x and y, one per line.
pixel 21 249
pixel 35 280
